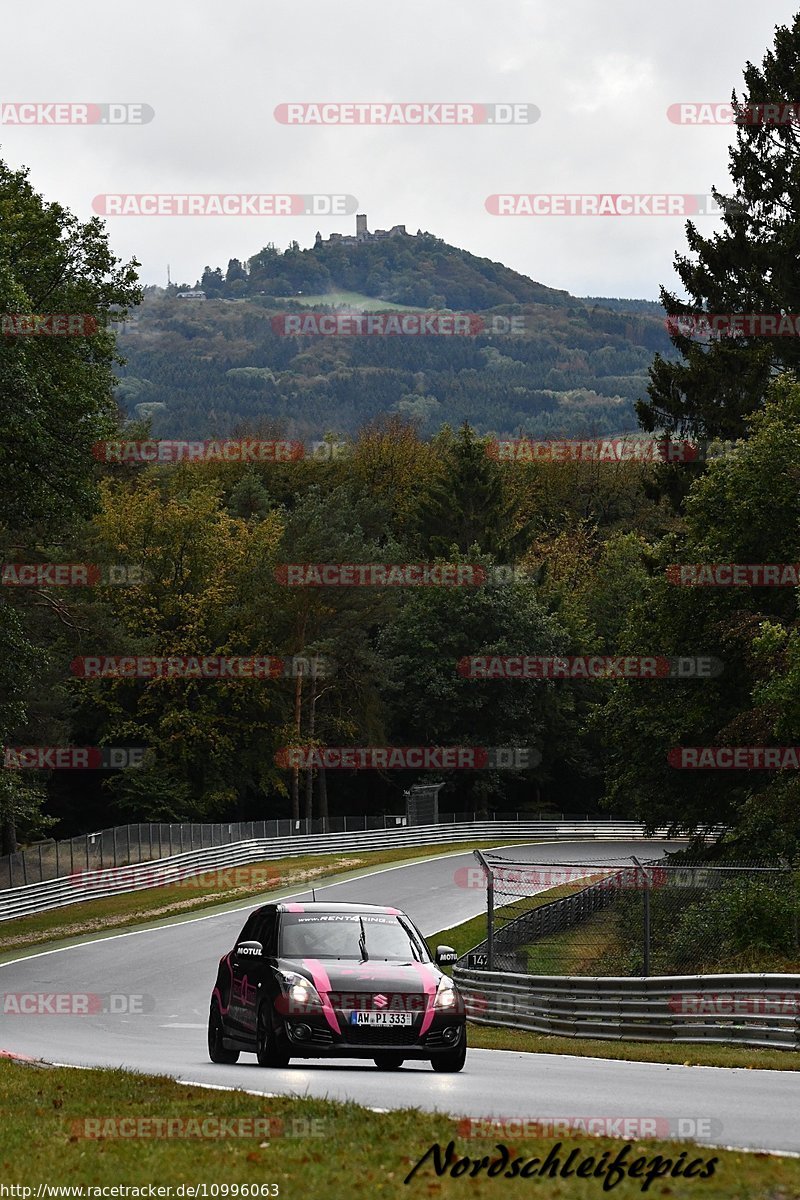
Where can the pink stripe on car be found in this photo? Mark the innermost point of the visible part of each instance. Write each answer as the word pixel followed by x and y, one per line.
pixel 323 985
pixel 429 984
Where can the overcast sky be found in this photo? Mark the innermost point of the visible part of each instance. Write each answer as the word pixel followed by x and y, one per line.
pixel 602 75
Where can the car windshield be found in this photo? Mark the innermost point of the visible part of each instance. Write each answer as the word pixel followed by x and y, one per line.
pixel 349 935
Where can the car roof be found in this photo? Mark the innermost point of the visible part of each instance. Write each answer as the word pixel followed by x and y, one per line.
pixel 321 907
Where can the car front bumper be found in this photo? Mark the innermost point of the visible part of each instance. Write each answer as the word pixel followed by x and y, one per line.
pixel 313 1038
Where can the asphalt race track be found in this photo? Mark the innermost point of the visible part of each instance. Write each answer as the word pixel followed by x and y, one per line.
pixel 173 967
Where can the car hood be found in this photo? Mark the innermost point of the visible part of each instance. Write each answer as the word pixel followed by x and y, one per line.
pixel 375 975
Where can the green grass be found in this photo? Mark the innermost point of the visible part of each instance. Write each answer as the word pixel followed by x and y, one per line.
pixel 354 1154
pixel 574 951
pixel 463 937
pixel 689 1054
pixel 161 903
pixel 350 300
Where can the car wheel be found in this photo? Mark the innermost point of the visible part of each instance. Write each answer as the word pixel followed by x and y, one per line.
pixel 272 1049
pixel 451 1060
pixel 388 1061
pixel 216 1051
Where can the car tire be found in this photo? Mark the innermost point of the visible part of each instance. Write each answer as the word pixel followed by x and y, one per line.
pixel 216 1051
pixel 388 1061
pixel 272 1047
pixel 451 1060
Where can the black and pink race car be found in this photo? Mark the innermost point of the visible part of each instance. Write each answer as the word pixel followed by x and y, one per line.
pixel 336 981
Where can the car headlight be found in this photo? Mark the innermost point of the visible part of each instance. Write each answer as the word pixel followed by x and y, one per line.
pixel 446 994
pixel 300 991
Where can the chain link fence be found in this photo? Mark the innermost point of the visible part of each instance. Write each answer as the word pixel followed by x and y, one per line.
pixel 658 917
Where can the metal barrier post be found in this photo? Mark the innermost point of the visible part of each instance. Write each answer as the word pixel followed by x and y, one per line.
pixel 489 909
pixel 645 918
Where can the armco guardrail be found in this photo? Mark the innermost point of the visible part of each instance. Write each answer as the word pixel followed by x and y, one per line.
pixel 146 841
pixel 94 885
pixel 750 1010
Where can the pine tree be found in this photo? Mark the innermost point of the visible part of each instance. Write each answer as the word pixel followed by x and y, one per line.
pixel 748 267
pixel 249 498
pixel 466 504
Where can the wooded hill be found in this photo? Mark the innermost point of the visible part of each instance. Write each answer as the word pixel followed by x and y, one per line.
pixel 199 369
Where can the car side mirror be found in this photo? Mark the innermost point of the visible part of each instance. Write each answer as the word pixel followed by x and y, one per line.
pixel 250 949
pixel 445 954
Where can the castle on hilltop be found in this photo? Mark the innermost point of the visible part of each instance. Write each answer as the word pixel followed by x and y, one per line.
pixel 362 234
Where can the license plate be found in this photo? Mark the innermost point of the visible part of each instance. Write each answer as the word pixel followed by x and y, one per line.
pixel 379 1018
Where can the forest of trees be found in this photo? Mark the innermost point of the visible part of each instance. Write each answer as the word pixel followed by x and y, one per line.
pixel 202 369
pixel 593 543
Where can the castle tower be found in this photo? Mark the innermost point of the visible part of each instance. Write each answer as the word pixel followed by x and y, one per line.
pixel 361 225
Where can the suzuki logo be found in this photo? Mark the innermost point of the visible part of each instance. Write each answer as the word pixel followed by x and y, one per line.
pixel 380 1000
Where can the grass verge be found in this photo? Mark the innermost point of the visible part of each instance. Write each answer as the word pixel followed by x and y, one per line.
pixel 336 1151
pixel 687 1054
pixel 201 892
